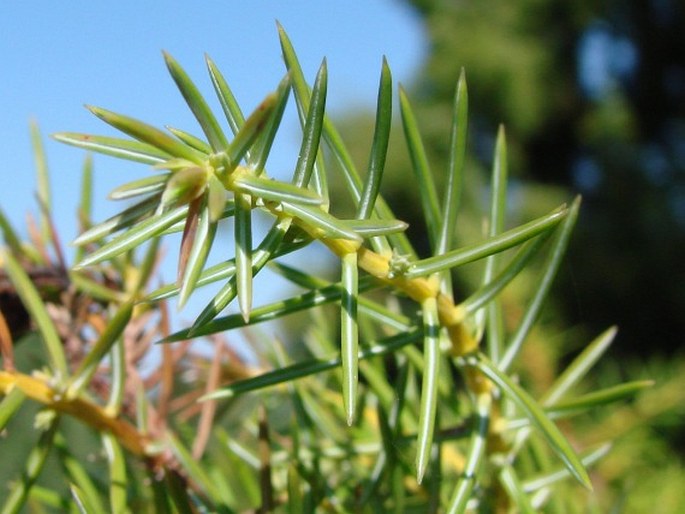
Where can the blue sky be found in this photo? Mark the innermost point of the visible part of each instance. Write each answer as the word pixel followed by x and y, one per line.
pixel 58 56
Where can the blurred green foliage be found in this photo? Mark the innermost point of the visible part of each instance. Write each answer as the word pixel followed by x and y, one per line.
pixel 593 99
pixel 593 95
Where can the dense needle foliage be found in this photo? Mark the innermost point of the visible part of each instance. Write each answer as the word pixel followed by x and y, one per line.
pixel 402 394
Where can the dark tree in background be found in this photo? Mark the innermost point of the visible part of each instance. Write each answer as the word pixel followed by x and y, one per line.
pixel 593 97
